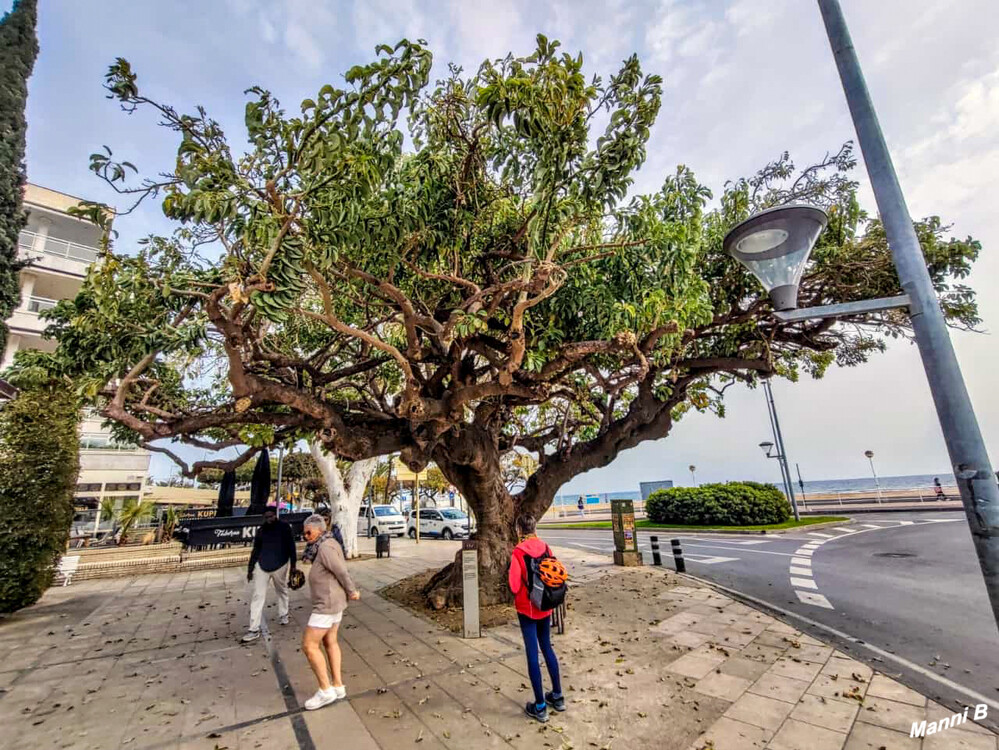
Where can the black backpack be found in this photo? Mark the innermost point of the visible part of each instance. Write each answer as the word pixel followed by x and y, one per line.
pixel 542 596
pixel 335 531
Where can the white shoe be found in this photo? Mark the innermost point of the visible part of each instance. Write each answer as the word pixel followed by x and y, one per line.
pixel 320 699
pixel 341 692
pixel 283 619
pixel 251 635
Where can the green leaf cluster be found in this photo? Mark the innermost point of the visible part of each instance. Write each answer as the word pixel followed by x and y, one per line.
pixel 728 504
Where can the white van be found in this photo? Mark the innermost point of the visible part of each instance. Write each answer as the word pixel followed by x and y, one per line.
pixel 384 519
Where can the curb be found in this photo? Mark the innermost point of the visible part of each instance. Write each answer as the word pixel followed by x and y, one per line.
pixel 720 532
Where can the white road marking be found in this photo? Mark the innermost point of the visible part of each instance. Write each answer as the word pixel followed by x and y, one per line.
pixel 816 600
pixel 741 551
pixel 804 583
pixel 822 536
pixel 871 526
pixel 801 561
pixel 796 571
pixel 708 560
pixel 885 655
pixel 804 551
pixel 906 523
pixel 845 529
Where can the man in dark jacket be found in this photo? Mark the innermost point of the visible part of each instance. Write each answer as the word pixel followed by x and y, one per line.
pixel 272 559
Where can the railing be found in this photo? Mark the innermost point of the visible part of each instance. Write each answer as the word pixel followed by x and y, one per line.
pixel 54 246
pixel 37 304
pixel 91 441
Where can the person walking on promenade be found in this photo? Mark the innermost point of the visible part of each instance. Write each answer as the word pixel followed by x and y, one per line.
pixel 535 624
pixel 579 506
pixel 938 489
pixel 272 559
pixel 330 586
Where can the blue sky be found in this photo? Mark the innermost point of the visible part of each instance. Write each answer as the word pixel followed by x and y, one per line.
pixel 745 80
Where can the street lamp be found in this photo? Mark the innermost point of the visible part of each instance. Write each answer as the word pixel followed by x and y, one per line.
pixel 870 457
pixel 968 454
pixel 774 245
pixel 693 477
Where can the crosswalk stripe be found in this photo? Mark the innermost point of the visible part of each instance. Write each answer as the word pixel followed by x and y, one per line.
pixel 708 560
pixel 906 523
pixel 796 571
pixel 801 561
pixel 804 583
pixel 823 536
pixel 871 526
pixel 804 551
pixel 845 529
pixel 816 600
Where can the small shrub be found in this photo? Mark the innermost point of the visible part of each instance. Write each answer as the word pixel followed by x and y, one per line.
pixel 729 504
pixel 39 463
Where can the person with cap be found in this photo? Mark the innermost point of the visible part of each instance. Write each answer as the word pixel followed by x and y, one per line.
pixel 271 560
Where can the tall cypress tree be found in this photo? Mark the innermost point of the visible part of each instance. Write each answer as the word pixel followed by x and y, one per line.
pixel 18 49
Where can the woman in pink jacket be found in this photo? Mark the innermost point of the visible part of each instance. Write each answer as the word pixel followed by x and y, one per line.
pixel 535 624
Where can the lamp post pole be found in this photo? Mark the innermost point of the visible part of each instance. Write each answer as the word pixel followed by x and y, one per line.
pixel 693 476
pixel 877 482
pixel 785 471
pixel 969 458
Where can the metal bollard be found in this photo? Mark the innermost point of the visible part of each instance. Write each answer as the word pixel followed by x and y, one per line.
pixel 656 558
pixel 681 567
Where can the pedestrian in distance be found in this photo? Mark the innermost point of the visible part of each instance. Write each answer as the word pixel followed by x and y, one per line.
pixel 529 558
pixel 938 489
pixel 579 506
pixel 271 560
pixel 330 587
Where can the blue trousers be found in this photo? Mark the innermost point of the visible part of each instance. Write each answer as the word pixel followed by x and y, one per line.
pixel 538 633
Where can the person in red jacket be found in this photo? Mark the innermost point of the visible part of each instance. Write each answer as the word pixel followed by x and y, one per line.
pixel 535 624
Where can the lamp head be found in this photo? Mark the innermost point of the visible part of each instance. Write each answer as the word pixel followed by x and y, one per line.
pixel 766 446
pixel 774 246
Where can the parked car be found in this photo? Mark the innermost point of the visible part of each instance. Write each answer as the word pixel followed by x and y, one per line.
pixel 447 523
pixel 384 519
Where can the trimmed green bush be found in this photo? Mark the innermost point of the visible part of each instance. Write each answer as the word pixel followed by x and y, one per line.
pixel 39 463
pixel 729 504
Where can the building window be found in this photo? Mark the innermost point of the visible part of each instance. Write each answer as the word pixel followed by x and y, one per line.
pixel 122 487
pixel 88 487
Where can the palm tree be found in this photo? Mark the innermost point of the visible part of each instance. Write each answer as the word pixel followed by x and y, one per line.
pixel 132 513
pixel 169 520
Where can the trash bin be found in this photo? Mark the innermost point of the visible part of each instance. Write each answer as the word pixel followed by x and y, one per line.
pixel 382 545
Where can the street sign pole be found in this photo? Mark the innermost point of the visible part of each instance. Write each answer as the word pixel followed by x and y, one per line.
pixel 470 588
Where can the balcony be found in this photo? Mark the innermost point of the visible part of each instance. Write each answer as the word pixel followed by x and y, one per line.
pixel 37 304
pixel 30 242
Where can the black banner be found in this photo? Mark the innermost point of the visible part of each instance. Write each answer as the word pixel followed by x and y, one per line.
pixel 202 532
pixel 190 515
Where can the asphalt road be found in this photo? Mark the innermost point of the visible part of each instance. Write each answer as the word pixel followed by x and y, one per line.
pixel 900 591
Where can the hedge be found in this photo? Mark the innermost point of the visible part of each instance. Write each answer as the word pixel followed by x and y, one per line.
pixel 39 463
pixel 729 504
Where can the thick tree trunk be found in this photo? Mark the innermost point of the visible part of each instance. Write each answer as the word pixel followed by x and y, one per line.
pixel 345 493
pixel 471 462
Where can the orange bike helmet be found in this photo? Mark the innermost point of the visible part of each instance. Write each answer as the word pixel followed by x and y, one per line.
pixel 552 572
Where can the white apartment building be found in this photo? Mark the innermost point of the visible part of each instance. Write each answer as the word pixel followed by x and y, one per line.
pixel 61 248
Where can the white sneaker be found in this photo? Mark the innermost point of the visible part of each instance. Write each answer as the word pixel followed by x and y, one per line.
pixel 252 635
pixel 341 692
pixel 320 699
pixel 283 619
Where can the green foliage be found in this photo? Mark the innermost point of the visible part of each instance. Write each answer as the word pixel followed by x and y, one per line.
pixel 729 504
pixel 134 512
pixel 18 49
pixel 39 463
pixel 495 287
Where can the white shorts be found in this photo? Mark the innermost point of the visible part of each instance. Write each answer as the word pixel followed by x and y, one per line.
pixel 324 622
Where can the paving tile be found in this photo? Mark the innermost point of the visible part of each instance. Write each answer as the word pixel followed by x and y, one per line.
pixel 807 652
pixel 844 666
pixel 762 653
pixel 797 670
pixel 689 639
pixel 695 665
pixel 891 714
pixel 724 686
pixel 870 737
pixel 885 687
pixel 837 689
pixel 728 733
pixel 797 735
pixel 953 739
pixel 740 666
pixel 781 688
pixel 935 712
pixel 834 715
pixel 759 711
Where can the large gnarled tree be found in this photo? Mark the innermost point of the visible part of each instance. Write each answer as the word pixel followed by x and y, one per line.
pixel 491 289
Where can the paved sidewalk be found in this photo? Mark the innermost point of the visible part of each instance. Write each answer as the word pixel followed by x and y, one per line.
pixel 648 661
